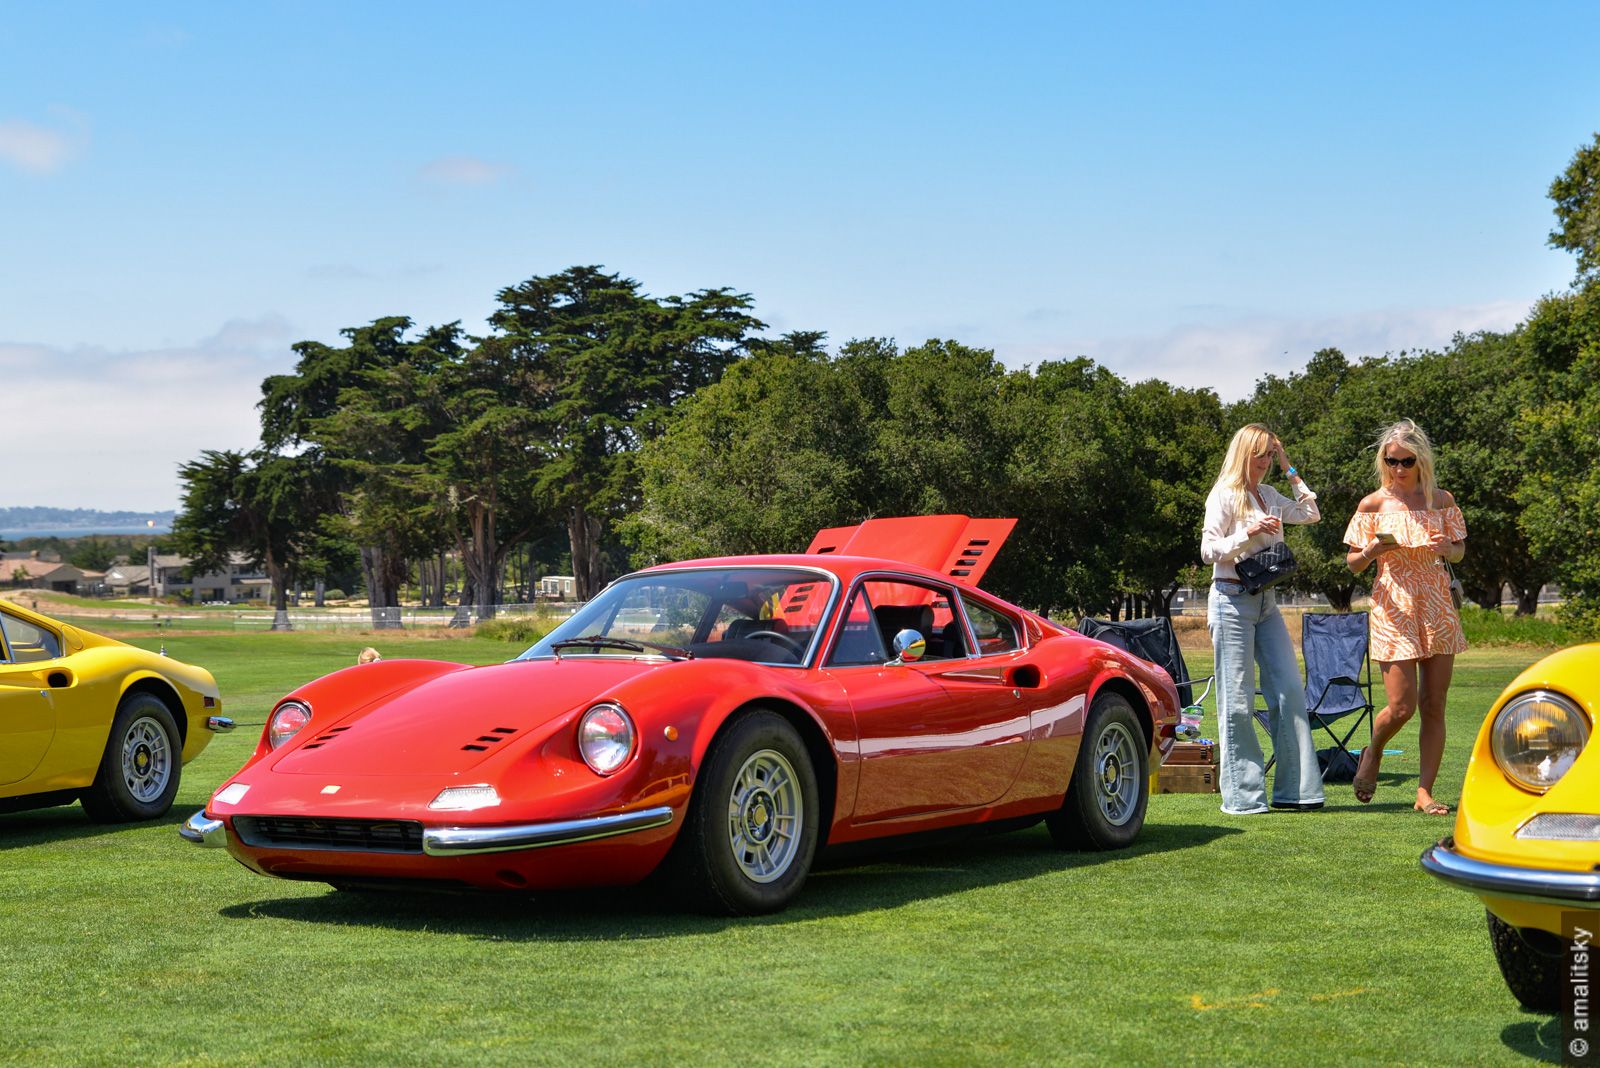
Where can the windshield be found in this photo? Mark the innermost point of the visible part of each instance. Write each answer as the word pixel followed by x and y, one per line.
pixel 763 614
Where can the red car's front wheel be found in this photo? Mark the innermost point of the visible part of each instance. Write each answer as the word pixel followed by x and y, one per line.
pixel 751 831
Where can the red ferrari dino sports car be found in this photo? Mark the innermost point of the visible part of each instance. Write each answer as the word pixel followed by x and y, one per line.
pixel 718 722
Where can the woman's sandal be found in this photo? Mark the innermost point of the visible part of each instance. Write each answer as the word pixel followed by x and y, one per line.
pixel 1433 808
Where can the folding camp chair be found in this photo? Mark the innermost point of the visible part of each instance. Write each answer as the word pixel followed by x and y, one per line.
pixel 1338 677
pixel 1154 640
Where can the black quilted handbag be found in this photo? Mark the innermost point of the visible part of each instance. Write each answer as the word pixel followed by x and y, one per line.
pixel 1265 569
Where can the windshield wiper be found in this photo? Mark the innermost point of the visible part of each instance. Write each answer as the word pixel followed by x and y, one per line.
pixel 598 641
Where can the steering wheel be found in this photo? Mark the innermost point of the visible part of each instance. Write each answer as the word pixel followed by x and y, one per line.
pixel 780 639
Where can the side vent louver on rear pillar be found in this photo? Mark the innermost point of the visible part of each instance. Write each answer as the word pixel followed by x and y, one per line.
pixel 968 558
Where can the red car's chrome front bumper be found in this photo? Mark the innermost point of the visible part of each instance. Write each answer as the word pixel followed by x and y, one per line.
pixel 459 841
pixel 202 830
pixel 466 841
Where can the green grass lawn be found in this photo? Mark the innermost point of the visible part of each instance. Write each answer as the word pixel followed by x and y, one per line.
pixel 1281 939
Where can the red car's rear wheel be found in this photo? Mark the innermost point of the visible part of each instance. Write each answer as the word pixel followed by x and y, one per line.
pixel 1105 803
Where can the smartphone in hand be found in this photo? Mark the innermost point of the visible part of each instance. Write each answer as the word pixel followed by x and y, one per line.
pixel 1385 537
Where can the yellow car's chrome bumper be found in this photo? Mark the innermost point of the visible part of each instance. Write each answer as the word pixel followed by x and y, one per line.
pixel 1546 886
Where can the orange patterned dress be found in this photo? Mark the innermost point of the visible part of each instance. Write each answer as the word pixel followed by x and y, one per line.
pixel 1413 617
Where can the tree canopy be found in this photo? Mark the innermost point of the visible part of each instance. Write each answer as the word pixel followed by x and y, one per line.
pixel 669 428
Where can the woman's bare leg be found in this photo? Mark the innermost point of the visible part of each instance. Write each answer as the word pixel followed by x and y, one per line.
pixel 1436 672
pixel 1400 686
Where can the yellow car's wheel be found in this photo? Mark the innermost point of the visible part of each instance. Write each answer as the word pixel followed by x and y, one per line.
pixel 1532 975
pixel 139 770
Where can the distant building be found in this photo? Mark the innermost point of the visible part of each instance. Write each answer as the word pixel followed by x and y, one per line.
pixel 128 580
pixel 240 582
pixel 558 588
pixel 29 573
pixel 32 554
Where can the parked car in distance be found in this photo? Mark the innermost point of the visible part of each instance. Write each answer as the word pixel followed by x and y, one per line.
pixel 1529 820
pixel 87 718
pixel 716 722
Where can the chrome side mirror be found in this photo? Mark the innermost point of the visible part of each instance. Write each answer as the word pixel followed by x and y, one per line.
pixel 908 647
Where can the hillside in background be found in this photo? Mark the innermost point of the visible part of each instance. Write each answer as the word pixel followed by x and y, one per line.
pixel 23 519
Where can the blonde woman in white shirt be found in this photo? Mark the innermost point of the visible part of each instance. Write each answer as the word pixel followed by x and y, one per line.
pixel 1243 516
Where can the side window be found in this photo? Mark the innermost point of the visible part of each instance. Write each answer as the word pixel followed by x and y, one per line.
pixel 858 641
pixel 28 643
pixel 994 632
pixel 882 608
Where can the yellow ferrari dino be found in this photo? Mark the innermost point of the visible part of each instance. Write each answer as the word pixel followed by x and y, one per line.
pixel 87 718
pixel 1527 835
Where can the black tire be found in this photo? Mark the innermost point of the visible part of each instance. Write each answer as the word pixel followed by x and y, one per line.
pixel 1105 802
pixel 1532 975
pixel 141 766
pixel 732 857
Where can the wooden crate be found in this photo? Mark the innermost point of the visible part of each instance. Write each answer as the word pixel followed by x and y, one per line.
pixel 1192 753
pixel 1187 779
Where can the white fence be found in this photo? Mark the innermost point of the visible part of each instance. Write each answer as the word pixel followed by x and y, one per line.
pixel 307 618
pixel 404 617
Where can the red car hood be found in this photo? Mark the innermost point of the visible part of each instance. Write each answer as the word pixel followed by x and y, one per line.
pixel 453 722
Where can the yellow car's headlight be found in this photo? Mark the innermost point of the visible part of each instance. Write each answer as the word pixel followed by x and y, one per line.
pixel 1537 737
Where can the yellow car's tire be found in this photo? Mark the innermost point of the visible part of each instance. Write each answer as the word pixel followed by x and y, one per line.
pixel 1533 976
pixel 141 765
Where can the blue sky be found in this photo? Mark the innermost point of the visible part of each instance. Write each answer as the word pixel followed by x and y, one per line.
pixel 1203 193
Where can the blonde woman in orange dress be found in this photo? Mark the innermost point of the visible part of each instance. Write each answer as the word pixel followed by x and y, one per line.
pixel 1410 528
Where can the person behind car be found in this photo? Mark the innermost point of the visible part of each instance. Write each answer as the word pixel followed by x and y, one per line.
pixel 1411 528
pixel 1245 515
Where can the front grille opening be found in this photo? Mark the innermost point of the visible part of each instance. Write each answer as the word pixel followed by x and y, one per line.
pixel 358 836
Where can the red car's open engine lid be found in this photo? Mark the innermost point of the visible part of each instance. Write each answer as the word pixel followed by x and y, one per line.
pixel 958 545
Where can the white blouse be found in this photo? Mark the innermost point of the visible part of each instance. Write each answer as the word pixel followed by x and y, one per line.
pixel 1226 536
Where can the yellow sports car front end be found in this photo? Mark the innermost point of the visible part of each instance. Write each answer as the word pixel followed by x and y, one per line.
pixel 1527 834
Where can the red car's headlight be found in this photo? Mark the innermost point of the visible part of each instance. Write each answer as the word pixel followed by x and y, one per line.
pixel 605 738
pixel 288 720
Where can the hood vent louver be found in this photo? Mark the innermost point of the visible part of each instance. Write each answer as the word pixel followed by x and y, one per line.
pixel 323 739
pixel 483 742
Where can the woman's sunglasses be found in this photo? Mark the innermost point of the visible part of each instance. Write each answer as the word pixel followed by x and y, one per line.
pixel 1395 461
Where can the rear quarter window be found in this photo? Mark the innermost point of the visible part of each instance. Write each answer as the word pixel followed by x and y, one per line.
pixel 993 630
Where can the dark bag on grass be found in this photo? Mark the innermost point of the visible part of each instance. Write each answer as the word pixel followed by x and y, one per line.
pixel 1336 764
pixel 1265 569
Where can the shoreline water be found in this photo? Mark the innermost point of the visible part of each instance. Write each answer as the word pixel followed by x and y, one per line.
pixel 108 530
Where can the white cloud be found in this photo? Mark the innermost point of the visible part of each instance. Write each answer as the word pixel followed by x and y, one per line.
pixel 463 170
pixel 1230 356
pixel 108 429
pixel 34 149
pixel 268 332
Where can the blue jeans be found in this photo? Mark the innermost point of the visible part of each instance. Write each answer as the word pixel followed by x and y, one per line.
pixel 1247 630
